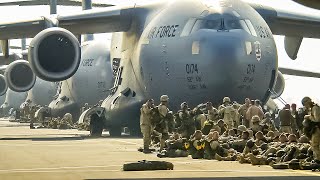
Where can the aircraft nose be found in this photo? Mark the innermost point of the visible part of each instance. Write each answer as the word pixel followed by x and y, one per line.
pixel 222 47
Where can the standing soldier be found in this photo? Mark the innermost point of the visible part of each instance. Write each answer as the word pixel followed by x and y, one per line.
pixel 146 125
pixel 243 110
pixel 163 112
pixel 212 112
pixel 32 114
pixel 254 110
pixel 226 101
pixel 286 120
pixel 185 121
pixel 314 116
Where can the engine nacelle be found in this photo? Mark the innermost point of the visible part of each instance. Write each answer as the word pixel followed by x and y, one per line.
pixel 19 76
pixel 279 86
pixel 54 54
pixel 3 85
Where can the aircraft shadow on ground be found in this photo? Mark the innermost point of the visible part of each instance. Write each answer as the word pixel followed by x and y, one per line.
pixel 232 178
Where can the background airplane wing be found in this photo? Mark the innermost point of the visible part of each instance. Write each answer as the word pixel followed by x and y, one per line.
pixel 110 19
pixel 47 2
pixel 296 72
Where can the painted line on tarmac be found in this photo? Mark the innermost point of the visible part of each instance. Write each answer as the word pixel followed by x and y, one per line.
pixel 133 143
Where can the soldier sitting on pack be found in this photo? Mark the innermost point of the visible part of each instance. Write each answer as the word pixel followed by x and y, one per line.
pixel 184 121
pixel 208 125
pixel 250 148
pixel 197 145
pixel 175 147
pixel 256 124
pixel 239 144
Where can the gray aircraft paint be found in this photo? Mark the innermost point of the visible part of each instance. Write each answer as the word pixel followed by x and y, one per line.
pixel 13 100
pixel 2 99
pixel 89 84
pixel 191 65
pixel 42 93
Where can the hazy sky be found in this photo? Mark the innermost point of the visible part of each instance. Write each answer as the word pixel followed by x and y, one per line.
pixel 296 87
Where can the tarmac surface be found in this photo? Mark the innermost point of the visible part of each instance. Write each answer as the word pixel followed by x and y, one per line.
pixel 70 154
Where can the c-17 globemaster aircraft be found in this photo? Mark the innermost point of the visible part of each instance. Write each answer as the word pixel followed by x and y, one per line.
pixel 191 50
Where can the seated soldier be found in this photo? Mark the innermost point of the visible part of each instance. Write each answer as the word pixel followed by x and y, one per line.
pixel 211 145
pixel 175 147
pixel 197 145
pixel 256 124
pixel 260 139
pixel 249 148
pixel 222 126
pixel 239 144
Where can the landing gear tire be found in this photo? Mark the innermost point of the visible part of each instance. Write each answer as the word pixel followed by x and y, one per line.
pixel 96 126
pixel 115 131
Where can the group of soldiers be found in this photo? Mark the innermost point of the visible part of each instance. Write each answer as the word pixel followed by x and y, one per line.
pixel 234 132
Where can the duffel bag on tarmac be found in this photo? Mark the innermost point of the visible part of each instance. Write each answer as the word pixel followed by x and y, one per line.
pixel 148 166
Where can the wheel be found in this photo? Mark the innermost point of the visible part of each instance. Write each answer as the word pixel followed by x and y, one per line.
pixel 96 126
pixel 115 131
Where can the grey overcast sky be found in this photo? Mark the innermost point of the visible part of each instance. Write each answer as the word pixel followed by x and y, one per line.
pixel 296 87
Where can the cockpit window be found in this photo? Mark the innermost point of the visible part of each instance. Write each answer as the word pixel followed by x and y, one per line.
pixel 223 24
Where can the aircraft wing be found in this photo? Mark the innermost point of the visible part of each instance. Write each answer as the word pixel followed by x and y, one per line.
pixel 110 19
pixel 293 25
pixel 47 2
pixel 296 72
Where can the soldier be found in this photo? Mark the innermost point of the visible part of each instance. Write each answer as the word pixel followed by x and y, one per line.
pixel 185 122
pixel 254 110
pixel 69 120
pixel 84 108
pixel 243 110
pixel 212 112
pixel 314 117
pixel 286 120
pixel 32 114
pixel 256 124
pixel 197 145
pixel 175 147
pixel 226 101
pixel 229 115
pixel 146 125
pixel 267 121
pixel 163 112
pixel 199 118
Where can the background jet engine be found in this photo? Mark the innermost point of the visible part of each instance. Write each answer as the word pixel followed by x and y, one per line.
pixel 19 76
pixel 54 54
pixel 279 86
pixel 3 85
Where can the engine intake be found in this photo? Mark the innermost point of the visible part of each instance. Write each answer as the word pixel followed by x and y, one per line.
pixel 54 54
pixel 19 76
pixel 3 85
pixel 279 86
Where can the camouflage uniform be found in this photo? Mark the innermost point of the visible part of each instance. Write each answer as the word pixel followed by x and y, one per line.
pixel 185 122
pixel 314 116
pixel 145 123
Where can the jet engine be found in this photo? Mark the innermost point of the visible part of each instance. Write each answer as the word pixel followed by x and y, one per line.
pixel 3 85
pixel 19 76
pixel 279 86
pixel 54 54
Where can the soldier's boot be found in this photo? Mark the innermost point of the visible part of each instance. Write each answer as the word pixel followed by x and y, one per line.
pixel 146 150
pixel 254 160
pixel 162 144
pixel 218 157
pixel 242 159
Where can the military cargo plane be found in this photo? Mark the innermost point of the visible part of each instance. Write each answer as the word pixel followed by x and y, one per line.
pixel 194 50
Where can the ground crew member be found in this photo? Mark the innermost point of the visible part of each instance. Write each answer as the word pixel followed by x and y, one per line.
pixel 146 125
pixel 32 114
pixel 314 116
